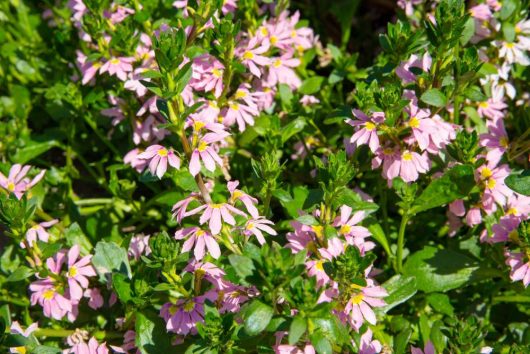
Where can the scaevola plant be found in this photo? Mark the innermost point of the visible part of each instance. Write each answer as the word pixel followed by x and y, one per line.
pixel 247 176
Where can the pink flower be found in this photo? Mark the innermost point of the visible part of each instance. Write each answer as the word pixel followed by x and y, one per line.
pixel 139 245
pixel 290 349
pixel 256 226
pixel 250 55
pixel 504 230
pixel 118 66
pixel 301 238
pixel 241 113
pixel 520 267
pixel 216 214
pixel 309 100
pixel 78 271
pixel 492 108
pixel 233 298
pixel 147 130
pixel 492 180
pixel 315 268
pixel 368 345
pixel 54 304
pixel 247 200
pixel 201 239
pixel 428 349
pixel 403 70
pixel 202 145
pixel 408 165
pixel 38 231
pixel 182 317
pixel 359 307
pixel 119 13
pixel 209 272
pixel 354 234
pixel 17 182
pixel 481 12
pixel 420 124
pixel 79 346
pixel 88 69
pixel 180 208
pixel 16 329
pixel 95 300
pixel 129 343
pixel 207 74
pixel 496 140
pixel 116 111
pixel 366 128
pixel 131 158
pixel 134 84
pixel 160 157
pixel 281 71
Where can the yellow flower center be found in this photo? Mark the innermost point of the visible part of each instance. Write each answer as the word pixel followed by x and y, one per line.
pixel 35 227
pixel 484 104
pixel 357 299
pixel 407 156
pixel 237 194
pixel 293 34
pixel 514 235
pixel 486 172
pixel 248 55
pixel 518 29
pixel 217 73
pixel 72 272
pixel 264 31
pixel 369 126
pixel 414 122
pixel 274 40
pixel 509 45
pixel 215 206
pixel 345 229
pixel 319 265
pixel 250 226
pixel 20 350
pixel 318 230
pixel 202 146
pixel 162 152
pixel 172 310
pixel 512 211
pixel 200 233
pixel 213 104
pixel 48 294
pixel 11 186
pixel 198 125
pixel 189 306
pixel 491 183
pixel 277 63
pixel 234 106
pixel 240 94
pixel 504 142
pixel 388 151
pixel 115 61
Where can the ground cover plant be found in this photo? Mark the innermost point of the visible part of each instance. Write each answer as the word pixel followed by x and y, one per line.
pixel 248 176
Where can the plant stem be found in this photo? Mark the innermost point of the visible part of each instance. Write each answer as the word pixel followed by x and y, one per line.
pixel 401 243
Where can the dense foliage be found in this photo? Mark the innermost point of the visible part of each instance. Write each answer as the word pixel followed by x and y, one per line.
pixel 248 176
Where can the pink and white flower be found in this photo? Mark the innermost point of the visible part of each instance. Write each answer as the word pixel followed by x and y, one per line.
pixel 78 271
pixel 159 157
pixel 366 128
pixel 38 232
pixel 201 240
pixel 17 181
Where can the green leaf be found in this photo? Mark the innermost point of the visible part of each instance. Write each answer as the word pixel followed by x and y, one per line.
pixel 321 343
pixel 153 87
pixel 441 303
pixel 297 329
pixel 109 257
pixel 508 7
pixel 44 349
pixel 122 286
pixel 311 85
pixel 469 31
pixel 434 97
pixel 151 334
pixel 292 128
pixel 441 270
pixel 400 288
pixel 242 265
pixel 33 149
pixel 307 220
pixel 256 316
pixel 508 30
pixel 454 184
pixel 20 273
pixel 75 236
pixel 378 234
pixel 519 182
pixel 402 340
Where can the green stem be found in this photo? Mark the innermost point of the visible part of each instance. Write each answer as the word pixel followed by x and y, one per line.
pixel 401 243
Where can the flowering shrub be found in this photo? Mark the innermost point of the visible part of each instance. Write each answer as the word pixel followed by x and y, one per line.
pixel 247 176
